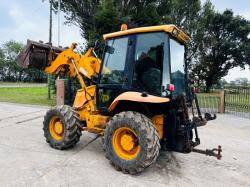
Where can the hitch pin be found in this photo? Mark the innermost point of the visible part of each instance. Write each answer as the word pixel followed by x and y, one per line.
pixel 216 152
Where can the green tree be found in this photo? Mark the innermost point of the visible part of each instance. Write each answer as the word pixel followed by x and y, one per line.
pixel 241 81
pixel 106 19
pixel 1 64
pixel 232 84
pixel 10 71
pixel 223 82
pixel 104 16
pixel 8 68
pixel 224 44
pixel 186 15
pixel 98 17
pixel 195 66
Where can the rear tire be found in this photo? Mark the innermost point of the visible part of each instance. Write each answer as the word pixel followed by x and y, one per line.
pixel 145 137
pixel 69 132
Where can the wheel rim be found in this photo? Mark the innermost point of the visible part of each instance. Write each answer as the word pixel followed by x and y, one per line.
pixel 56 128
pixel 125 143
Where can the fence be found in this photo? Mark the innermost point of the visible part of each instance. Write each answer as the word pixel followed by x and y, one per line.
pixel 235 101
pixel 211 102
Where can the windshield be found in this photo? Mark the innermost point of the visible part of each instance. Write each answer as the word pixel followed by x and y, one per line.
pixel 177 67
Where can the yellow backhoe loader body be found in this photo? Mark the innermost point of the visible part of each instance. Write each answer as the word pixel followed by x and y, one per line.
pixel 87 65
pixel 133 122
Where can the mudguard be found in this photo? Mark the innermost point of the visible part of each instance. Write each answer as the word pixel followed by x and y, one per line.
pixel 137 97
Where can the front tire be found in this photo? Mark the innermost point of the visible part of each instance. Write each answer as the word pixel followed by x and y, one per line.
pixel 131 142
pixel 60 127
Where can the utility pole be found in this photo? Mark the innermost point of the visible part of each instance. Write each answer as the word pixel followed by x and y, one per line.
pixel 50 42
pixel 59 10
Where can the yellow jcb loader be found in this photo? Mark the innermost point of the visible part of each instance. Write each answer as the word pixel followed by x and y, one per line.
pixel 137 97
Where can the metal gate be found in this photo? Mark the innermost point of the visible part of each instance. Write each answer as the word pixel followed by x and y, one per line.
pixel 237 101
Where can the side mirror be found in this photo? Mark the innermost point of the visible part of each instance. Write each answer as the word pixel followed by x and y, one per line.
pixel 94 79
pixel 109 49
pixel 97 45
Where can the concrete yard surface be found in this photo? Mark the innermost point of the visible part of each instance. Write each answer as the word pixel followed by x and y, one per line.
pixel 27 160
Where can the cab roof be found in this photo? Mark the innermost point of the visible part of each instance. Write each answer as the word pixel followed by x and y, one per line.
pixel 171 29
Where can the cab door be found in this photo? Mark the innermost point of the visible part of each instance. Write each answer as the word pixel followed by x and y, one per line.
pixel 113 77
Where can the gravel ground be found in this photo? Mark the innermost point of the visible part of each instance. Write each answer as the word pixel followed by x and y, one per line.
pixel 27 160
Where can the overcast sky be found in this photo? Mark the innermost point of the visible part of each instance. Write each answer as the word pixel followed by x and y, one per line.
pixel 29 19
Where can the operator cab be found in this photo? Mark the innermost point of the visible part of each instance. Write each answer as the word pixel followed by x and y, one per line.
pixel 143 60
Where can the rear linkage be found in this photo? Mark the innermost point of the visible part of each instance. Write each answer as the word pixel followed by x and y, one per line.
pixel 183 127
pixel 199 121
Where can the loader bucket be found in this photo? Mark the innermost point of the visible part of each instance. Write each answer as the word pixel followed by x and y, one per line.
pixel 37 55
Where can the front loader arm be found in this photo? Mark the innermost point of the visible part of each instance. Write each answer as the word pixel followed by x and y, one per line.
pixel 62 63
pixel 54 60
pixel 72 63
pixel 75 65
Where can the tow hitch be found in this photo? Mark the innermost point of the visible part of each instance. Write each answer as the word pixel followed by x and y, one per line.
pixel 216 152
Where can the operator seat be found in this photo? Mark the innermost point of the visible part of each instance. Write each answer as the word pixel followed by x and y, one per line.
pixel 148 76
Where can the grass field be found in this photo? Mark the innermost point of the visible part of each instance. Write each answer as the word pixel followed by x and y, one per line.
pixel 208 100
pixel 21 84
pixel 26 95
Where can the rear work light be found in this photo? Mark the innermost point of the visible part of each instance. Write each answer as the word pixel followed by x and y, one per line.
pixel 170 87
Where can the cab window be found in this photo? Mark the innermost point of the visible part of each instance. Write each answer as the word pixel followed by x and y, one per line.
pixel 177 52
pixel 114 61
pixel 148 67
